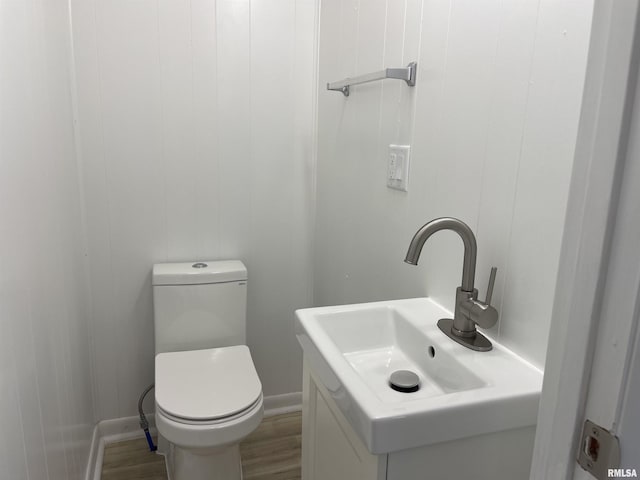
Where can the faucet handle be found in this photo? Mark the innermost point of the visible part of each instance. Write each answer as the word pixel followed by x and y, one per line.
pixel 492 281
pixel 481 313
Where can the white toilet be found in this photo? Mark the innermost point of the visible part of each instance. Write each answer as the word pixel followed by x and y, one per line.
pixel 208 394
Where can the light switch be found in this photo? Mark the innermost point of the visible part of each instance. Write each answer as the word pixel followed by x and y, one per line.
pixel 391 171
pixel 398 167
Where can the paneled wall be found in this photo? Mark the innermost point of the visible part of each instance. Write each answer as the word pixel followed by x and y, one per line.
pixel 492 125
pixel 46 411
pixel 196 124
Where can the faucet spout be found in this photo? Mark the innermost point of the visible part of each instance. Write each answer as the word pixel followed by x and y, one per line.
pixel 468 239
pixel 469 311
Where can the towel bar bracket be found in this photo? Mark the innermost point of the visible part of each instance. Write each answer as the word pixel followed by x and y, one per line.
pixel 408 74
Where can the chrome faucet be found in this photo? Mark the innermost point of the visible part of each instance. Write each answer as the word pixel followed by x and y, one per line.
pixel 469 311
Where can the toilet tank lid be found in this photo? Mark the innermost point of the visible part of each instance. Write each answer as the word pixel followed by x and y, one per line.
pixel 196 273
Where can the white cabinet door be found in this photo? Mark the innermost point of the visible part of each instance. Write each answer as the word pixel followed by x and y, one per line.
pixel 331 450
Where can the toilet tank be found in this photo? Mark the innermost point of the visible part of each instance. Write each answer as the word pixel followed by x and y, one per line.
pixel 199 305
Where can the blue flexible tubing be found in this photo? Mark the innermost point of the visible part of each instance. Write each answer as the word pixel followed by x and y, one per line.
pixel 144 424
pixel 152 447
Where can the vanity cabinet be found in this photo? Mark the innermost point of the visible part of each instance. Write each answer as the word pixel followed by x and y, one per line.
pixel 332 450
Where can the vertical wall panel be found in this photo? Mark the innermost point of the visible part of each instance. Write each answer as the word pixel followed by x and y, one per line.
pixel 455 157
pixel 233 50
pixel 508 97
pixel 130 79
pixel 362 129
pixel 303 146
pixel 178 127
pixel 97 202
pixel 12 441
pixel 492 127
pixel 192 151
pixel 550 131
pixel 18 108
pixel 272 163
pixel 206 125
pixel 337 59
pixel 46 409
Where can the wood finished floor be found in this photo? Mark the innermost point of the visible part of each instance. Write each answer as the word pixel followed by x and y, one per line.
pixel 272 452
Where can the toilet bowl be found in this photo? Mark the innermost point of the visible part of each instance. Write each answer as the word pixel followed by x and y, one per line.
pixel 208 394
pixel 207 402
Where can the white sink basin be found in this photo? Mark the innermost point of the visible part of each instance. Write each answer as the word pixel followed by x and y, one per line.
pixel 353 349
pixel 378 340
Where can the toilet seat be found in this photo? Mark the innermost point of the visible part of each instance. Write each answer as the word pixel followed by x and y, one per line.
pixel 201 387
pixel 207 435
pixel 212 422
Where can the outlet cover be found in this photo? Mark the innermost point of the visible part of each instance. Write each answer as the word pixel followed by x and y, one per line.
pixel 398 167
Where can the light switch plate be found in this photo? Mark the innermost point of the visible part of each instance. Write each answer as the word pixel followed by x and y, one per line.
pixel 398 167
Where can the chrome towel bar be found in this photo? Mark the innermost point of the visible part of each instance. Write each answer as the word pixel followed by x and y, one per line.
pixel 408 74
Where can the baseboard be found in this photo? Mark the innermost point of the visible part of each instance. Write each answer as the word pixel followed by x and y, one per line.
pixel 280 404
pixel 96 473
pixel 112 431
pixel 94 449
pixel 127 428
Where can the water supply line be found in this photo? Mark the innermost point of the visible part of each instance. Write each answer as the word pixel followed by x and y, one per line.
pixel 144 424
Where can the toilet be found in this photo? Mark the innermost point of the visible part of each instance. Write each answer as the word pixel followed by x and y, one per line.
pixel 208 395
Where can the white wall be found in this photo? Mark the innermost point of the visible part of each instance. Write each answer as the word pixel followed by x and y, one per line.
pixel 196 122
pixel 492 126
pixel 46 412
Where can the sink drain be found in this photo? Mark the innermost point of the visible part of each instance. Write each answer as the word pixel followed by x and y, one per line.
pixel 404 381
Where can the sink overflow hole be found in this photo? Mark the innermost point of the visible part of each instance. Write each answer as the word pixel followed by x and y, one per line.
pixel 432 351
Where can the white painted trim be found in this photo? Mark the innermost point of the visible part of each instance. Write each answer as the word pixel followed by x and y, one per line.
pixel 94 450
pixel 600 153
pixel 615 339
pixel 112 431
pixel 127 428
pixel 280 404
pixel 97 469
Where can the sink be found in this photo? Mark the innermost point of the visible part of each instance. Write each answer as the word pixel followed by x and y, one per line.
pixel 378 340
pixel 353 349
